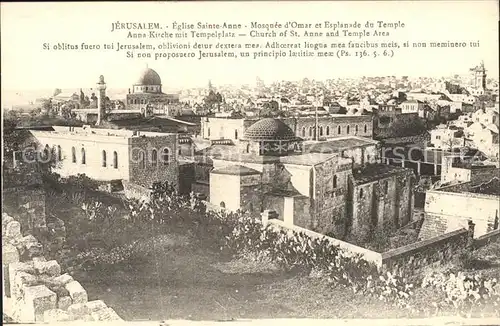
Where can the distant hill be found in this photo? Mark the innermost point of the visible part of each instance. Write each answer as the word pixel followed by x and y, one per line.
pixel 25 97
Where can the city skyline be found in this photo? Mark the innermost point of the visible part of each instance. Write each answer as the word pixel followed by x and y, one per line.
pixel 27 67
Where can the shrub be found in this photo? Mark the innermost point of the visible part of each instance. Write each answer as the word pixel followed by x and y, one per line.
pixel 466 293
pixel 465 259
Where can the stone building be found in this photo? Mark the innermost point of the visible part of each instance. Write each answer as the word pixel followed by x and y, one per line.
pixel 147 90
pixel 108 154
pixel 451 206
pixel 462 168
pixel 335 187
pixel 307 128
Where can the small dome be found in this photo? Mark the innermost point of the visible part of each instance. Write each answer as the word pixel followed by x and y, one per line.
pixel 269 129
pixel 149 77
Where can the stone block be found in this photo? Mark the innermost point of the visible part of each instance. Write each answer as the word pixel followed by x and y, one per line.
pixel 6 219
pixel 50 267
pixel 38 259
pixel 21 281
pixel 9 254
pixel 64 302
pixel 56 315
pixel 106 314
pixel 77 292
pixel 13 269
pixel 63 279
pixel 95 305
pixel 13 230
pixel 34 249
pixel 78 310
pixel 37 300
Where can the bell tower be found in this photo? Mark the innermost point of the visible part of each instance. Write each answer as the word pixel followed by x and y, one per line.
pixel 101 100
pixel 479 76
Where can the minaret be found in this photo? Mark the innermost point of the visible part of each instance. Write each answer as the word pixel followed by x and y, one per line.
pixel 101 96
pixel 479 76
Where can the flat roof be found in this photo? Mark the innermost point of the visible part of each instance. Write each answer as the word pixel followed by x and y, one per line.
pixel 373 172
pixel 121 133
pixel 308 159
pixel 338 144
pixel 235 170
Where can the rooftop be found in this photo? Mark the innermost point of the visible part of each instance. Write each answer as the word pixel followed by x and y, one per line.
pixel 87 130
pixel 269 129
pixel 375 172
pixel 235 170
pixel 491 187
pixel 338 144
pixel 308 159
pixel 148 77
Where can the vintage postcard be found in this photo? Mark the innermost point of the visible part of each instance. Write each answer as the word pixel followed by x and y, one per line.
pixel 266 162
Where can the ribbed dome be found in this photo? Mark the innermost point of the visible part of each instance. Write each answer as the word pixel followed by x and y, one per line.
pixel 269 129
pixel 149 77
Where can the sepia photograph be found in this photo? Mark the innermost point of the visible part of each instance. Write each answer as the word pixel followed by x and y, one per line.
pixel 295 162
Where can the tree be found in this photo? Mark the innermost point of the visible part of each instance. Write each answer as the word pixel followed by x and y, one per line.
pixel 57 91
pixel 271 110
pixel 213 99
pixel 401 127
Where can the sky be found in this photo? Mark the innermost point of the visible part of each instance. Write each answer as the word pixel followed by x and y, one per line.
pixel 27 66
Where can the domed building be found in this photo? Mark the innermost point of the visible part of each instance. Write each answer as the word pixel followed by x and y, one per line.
pixel 270 137
pixel 147 92
pixel 325 186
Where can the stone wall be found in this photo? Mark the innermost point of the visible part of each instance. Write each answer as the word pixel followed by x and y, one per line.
pixel 135 191
pixel 330 198
pixel 29 203
pixel 332 126
pixel 411 258
pixel 447 209
pixel 350 249
pixel 149 171
pixel 384 202
pixel 487 238
pixel 34 288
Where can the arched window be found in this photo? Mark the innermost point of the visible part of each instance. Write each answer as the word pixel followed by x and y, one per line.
pixel 222 204
pixel 303 131
pixel 310 131
pixel 165 156
pixel 356 129
pixel 328 130
pixel 142 161
pixel 235 134
pixel 84 158
pixel 73 154
pixel 321 130
pixel 361 193
pixel 59 153
pixel 248 148
pixel 154 158
pixel 366 128
pixel 339 130
pixel 104 163
pixel 179 151
pixel 208 132
pixel 348 129
pixel 334 182
pixel 115 160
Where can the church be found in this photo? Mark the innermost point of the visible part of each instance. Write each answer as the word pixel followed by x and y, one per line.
pixel 335 187
pixel 147 91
